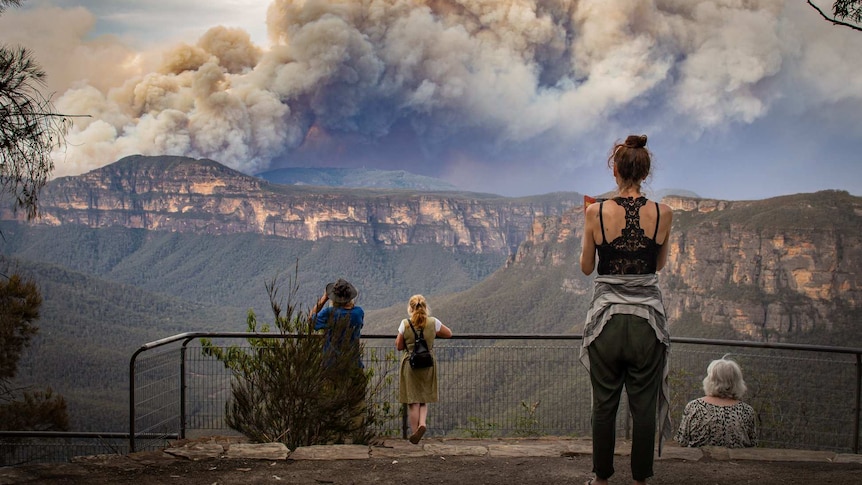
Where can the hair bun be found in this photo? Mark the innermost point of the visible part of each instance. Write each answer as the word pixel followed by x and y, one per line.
pixel 635 141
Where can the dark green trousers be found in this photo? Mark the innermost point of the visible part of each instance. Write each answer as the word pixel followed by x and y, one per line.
pixel 626 353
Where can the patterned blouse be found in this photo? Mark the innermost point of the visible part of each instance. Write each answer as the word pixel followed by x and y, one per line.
pixel 705 424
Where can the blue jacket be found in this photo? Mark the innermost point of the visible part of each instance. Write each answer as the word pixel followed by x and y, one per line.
pixel 329 314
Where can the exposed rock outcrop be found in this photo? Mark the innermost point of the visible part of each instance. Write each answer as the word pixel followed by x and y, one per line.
pixel 202 196
pixel 770 269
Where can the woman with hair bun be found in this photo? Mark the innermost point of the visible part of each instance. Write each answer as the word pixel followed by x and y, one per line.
pixel 418 387
pixel 626 341
pixel 719 418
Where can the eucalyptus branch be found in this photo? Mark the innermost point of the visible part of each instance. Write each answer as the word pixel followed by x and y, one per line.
pixel 834 21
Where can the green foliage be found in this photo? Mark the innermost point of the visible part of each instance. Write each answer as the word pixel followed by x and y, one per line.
pixel 293 389
pixel 827 210
pixel 527 424
pixel 527 297
pixel 479 428
pixel 19 308
pixel 22 408
pixel 192 266
pixel 108 291
pixel 88 330
pixel 34 410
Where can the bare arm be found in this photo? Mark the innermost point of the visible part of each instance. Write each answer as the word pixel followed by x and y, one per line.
pixel 399 342
pixel 444 332
pixel 321 302
pixel 588 251
pixel 666 222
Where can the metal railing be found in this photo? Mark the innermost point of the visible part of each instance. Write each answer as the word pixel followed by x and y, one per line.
pixel 806 396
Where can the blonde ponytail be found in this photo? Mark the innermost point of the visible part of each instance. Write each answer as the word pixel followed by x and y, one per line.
pixel 417 308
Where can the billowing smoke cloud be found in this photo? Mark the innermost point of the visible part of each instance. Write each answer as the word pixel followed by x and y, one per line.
pixel 454 85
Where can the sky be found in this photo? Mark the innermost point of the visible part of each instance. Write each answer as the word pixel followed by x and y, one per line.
pixel 740 99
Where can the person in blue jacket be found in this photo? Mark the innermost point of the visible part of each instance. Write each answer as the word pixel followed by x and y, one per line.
pixel 343 295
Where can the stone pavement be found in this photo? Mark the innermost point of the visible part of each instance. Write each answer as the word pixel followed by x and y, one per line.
pixel 391 461
pixel 237 448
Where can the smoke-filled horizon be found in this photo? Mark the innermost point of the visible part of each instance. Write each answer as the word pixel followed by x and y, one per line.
pixel 740 100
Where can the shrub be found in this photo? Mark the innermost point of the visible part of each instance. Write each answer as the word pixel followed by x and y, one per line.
pixel 288 390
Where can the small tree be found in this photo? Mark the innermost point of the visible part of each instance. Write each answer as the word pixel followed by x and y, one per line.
pixel 289 389
pixel 21 408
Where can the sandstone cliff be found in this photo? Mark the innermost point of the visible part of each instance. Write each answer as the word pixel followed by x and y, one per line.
pixel 201 196
pixel 772 269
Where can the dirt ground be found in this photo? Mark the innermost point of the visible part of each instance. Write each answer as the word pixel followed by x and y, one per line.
pixel 423 470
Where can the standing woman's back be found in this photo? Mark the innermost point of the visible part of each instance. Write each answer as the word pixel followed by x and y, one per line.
pixel 418 387
pixel 625 340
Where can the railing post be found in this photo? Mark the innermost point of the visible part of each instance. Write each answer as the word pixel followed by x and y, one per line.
pixel 132 406
pixel 858 394
pixel 183 389
pixel 132 400
pixel 404 421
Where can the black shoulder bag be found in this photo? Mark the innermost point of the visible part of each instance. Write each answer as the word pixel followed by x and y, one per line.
pixel 420 357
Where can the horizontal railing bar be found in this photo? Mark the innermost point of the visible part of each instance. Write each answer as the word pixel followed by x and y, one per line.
pixel 767 345
pixel 82 434
pixel 491 336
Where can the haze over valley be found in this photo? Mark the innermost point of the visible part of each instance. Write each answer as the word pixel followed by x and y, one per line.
pixel 153 246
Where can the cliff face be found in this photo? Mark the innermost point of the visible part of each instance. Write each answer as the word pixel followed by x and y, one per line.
pixel 767 269
pixel 770 269
pixel 202 196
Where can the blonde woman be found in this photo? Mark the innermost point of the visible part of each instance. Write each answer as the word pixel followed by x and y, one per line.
pixel 719 418
pixel 418 387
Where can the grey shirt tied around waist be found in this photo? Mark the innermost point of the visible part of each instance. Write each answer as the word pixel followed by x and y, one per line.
pixel 633 295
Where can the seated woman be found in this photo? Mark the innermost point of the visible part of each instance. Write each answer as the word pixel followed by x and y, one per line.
pixel 719 418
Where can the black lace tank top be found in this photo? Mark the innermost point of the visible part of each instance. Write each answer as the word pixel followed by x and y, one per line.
pixel 632 252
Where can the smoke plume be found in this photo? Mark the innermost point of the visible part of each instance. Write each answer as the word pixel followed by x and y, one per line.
pixel 456 87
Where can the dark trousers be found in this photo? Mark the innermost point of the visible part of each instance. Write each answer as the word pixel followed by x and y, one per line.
pixel 626 353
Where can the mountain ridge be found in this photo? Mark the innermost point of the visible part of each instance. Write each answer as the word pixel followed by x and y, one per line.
pixel 178 194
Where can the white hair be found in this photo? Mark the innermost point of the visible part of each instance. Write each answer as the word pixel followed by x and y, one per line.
pixel 724 379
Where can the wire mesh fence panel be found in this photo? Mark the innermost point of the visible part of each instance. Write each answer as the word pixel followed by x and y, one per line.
pixel 802 399
pixel 207 391
pixel 510 388
pixel 484 390
pixel 382 364
pixel 157 396
pixel 535 387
